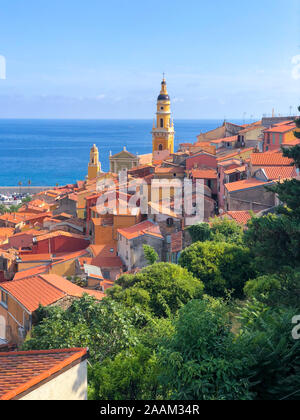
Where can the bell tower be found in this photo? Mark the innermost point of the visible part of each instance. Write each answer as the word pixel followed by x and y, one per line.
pixel 94 165
pixel 163 128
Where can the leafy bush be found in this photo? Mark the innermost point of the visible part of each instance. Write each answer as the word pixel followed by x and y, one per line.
pixel 221 266
pixel 161 288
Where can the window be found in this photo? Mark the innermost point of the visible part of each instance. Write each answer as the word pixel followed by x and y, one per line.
pixel 170 221
pixel 280 139
pixel 268 138
pixel 4 298
pixel 161 123
pixel 274 138
pixel 106 274
pixel 160 147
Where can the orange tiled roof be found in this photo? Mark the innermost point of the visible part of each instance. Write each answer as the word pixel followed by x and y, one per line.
pixel 269 159
pixel 44 289
pixel 173 169
pixel 105 262
pixel 244 184
pixel 241 217
pixel 236 153
pixel 234 170
pixel 280 172
pixel 204 173
pixel 107 250
pixel 106 284
pixel 32 292
pixel 141 229
pixel 56 233
pixel 231 139
pixel 35 257
pixel 31 232
pixel 20 371
pixel 68 287
pixel 31 272
pixel 145 159
pixel 6 233
pixel 252 127
pixel 282 127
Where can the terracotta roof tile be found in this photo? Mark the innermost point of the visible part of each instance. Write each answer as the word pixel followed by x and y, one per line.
pixel 20 371
pixel 245 184
pixel 105 262
pixel 241 217
pixel 282 127
pixel 232 139
pixel 31 272
pixel 239 169
pixel 57 233
pixel 280 172
pixel 141 229
pixel 269 159
pixel 204 173
pixel 32 292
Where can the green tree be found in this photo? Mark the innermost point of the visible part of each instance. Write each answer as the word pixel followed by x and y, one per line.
pixel 131 375
pixel 280 289
pixel 226 230
pixel 220 266
pixel 27 199
pixel 200 232
pixel 297 135
pixel 275 239
pixel 105 327
pixel 150 254
pixel 161 288
pixel 273 356
pixel 200 361
pixel 219 230
pixel 3 209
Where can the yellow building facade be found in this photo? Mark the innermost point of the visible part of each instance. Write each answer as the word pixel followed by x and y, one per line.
pixel 163 128
pixel 94 165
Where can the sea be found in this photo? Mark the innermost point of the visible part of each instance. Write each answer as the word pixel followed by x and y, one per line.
pixel 51 152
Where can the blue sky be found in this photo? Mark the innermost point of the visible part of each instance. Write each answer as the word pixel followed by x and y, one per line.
pixel 104 59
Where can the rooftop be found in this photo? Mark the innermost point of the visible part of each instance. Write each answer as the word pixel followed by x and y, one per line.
pixel 45 290
pixel 244 184
pixel 20 371
pixel 204 173
pixel 241 217
pixel 280 172
pixel 144 228
pixel 269 159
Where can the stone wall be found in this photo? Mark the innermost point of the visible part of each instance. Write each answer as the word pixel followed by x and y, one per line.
pixel 255 199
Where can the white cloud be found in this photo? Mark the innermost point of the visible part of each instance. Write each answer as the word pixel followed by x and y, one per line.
pixel 296 67
pixel 100 97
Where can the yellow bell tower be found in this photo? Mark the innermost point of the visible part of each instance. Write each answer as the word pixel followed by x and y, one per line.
pixel 94 164
pixel 163 129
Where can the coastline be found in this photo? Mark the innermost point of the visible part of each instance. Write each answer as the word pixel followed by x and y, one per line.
pixel 23 189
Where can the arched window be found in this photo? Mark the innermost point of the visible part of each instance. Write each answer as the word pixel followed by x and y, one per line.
pixel 161 123
pixel 160 147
